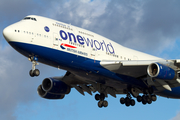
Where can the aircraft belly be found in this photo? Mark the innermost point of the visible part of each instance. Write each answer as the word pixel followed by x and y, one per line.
pixel 175 93
pixel 68 61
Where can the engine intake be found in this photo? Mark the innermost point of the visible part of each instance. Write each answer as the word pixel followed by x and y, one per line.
pixel 54 86
pixel 47 95
pixel 159 71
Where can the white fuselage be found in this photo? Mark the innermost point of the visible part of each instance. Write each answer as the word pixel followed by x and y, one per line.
pixel 53 34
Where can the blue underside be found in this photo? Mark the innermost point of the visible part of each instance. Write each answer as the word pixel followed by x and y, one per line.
pixel 81 65
pixel 175 93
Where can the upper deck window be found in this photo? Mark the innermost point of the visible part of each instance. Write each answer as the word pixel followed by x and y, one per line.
pixel 29 18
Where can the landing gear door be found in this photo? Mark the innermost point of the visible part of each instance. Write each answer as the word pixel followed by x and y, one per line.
pixel 55 39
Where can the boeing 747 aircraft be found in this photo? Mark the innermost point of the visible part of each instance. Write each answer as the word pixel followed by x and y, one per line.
pixel 93 63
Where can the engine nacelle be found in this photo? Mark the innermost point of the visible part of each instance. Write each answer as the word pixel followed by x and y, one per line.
pixel 54 86
pixel 159 71
pixel 47 95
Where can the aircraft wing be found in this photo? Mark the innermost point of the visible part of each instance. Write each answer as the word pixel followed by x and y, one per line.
pixel 83 84
pixel 138 69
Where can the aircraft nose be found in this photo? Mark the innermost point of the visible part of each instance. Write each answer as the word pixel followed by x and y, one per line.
pixel 7 34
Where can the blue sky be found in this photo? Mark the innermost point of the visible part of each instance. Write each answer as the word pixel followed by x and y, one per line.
pixel 151 26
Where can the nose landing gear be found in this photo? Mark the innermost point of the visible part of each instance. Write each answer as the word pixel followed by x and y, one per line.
pixel 34 72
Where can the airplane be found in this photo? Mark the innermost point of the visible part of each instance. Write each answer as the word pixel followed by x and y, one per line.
pixel 93 63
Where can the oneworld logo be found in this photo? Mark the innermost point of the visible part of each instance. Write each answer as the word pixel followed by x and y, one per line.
pixel 46 29
pixel 86 41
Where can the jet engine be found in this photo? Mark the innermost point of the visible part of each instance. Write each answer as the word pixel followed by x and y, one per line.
pixel 53 89
pixel 159 71
pixel 55 86
pixel 47 95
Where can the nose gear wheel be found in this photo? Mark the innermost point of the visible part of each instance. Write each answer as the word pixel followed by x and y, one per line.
pixel 34 72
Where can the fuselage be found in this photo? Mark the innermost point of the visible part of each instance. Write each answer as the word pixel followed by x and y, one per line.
pixel 72 48
pixel 49 33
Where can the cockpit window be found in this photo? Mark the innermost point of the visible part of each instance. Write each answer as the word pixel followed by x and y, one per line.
pixel 29 18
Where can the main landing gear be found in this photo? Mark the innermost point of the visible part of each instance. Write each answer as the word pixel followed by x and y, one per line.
pixel 128 100
pixel 34 72
pixel 102 102
pixel 147 98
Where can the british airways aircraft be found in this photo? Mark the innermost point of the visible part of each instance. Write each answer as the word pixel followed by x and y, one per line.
pixel 93 63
